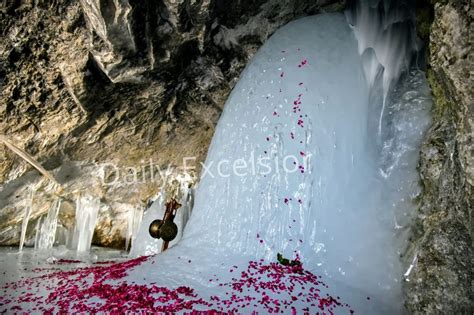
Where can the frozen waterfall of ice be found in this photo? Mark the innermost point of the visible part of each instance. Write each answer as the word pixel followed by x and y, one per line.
pixel 296 165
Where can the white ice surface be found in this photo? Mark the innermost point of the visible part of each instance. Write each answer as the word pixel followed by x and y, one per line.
pixel 354 192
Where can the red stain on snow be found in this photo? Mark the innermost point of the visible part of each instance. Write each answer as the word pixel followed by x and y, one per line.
pixel 303 63
pixel 301 168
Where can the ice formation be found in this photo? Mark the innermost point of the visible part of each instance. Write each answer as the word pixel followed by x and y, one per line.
pixel 26 219
pixel 46 231
pixel 87 208
pixel 134 220
pixel 143 244
pixel 344 206
pixel 297 166
pixel 387 42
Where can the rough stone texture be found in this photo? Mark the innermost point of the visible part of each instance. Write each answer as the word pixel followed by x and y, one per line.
pixel 441 281
pixel 101 81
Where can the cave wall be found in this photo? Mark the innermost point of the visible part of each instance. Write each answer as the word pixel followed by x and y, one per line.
pixel 441 280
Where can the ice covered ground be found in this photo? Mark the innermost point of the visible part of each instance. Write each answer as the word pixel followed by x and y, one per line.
pixel 30 263
pixel 297 165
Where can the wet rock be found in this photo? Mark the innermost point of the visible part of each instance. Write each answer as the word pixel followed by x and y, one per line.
pixel 441 280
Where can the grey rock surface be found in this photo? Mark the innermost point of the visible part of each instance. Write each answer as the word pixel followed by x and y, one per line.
pixel 441 280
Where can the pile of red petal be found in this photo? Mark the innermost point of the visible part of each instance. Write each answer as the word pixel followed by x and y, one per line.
pixel 87 290
pixel 273 287
pixel 277 288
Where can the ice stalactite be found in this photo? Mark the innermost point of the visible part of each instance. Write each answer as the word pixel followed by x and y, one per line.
pixel 134 220
pixel 387 41
pixel 37 229
pixel 87 209
pixel 26 218
pixel 46 233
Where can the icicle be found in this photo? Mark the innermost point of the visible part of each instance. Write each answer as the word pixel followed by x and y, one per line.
pixel 26 219
pixel 47 230
pixel 87 209
pixel 387 30
pixel 37 229
pixel 133 224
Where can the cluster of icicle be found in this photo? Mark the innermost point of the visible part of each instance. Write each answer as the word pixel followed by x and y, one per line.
pixel 79 239
pixel 87 209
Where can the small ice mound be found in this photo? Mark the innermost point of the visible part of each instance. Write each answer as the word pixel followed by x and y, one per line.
pixel 143 243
